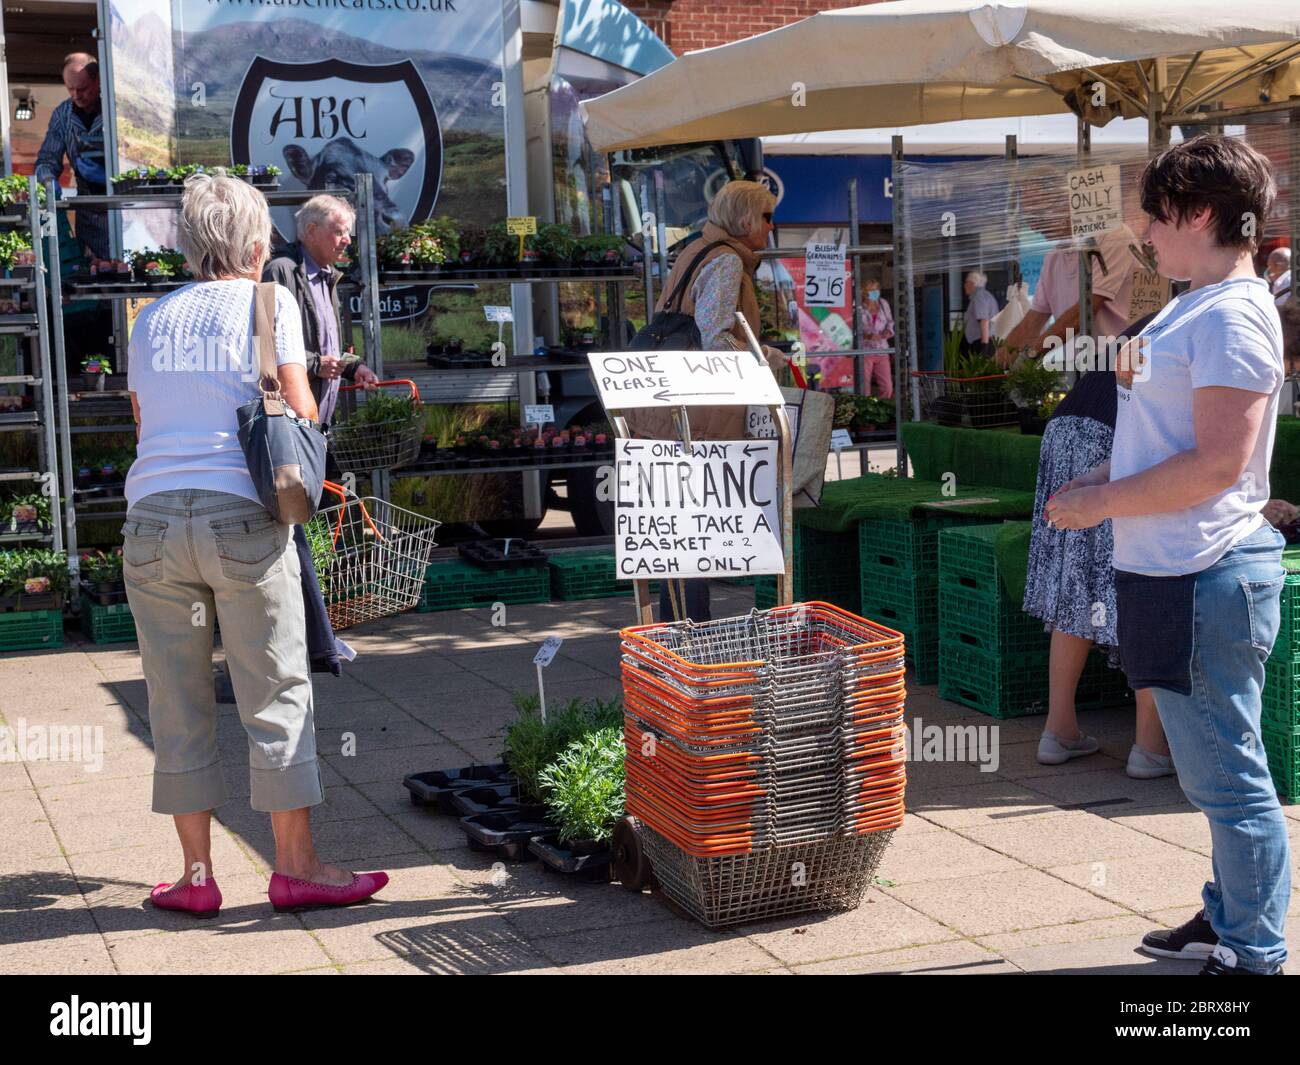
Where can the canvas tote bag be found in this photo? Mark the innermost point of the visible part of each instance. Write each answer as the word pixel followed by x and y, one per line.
pixel 285 453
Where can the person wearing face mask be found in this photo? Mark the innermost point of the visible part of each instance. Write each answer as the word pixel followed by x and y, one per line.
pixel 877 325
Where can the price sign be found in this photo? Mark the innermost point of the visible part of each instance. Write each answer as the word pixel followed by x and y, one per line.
pixel 498 314
pixel 840 438
pixel 1094 200
pixel 824 275
pixel 760 426
pixel 538 413
pixel 521 225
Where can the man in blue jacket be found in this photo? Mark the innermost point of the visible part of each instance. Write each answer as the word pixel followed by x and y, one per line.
pixel 77 130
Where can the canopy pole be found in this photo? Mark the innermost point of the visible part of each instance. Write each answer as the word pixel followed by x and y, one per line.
pixel 905 359
pixel 856 302
pixel 1013 212
pixel 1084 144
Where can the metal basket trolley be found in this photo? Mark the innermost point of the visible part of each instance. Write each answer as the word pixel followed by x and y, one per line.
pixel 376 560
pixel 377 445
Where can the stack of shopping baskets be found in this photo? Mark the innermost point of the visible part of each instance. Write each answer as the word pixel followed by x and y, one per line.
pixel 765 760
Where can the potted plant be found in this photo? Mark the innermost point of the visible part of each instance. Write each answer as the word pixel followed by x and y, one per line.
pixel 102 571
pixel 601 251
pixel 532 744
pixel 584 791
pixel 29 514
pixel 1029 384
pixel 13 189
pixel 555 244
pixel 500 248
pixel 16 254
pixel 94 371
pixel 39 579
pixel 471 239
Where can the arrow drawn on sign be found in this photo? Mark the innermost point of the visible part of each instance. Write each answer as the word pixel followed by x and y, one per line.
pixel 664 395
pixel 633 447
pixel 751 448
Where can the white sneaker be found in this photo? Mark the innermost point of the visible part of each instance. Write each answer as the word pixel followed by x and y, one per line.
pixel 1052 750
pixel 1143 765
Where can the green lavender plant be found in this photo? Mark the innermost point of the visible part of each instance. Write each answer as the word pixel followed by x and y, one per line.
pixel 584 786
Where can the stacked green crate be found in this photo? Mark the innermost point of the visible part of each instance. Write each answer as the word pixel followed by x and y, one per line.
pixel 456 585
pixel 992 655
pixel 26 630
pixel 585 576
pixel 1281 710
pixel 825 570
pixel 113 623
pixel 898 574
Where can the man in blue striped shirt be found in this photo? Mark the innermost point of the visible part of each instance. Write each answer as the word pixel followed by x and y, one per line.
pixel 76 130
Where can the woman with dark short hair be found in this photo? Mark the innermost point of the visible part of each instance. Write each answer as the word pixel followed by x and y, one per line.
pixel 1198 572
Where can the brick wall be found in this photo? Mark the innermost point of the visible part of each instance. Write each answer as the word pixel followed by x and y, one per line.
pixel 687 25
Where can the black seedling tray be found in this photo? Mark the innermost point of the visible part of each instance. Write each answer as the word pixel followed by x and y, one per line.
pixel 492 554
pixel 561 859
pixel 506 834
pixel 486 798
pixel 466 360
pixel 436 788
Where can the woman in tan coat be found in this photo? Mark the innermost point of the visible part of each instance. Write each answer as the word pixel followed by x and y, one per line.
pixel 724 259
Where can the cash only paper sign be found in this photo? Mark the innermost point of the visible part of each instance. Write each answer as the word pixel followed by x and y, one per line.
pixel 711 509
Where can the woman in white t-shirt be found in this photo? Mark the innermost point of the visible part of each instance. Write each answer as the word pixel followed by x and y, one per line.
pixel 200 549
pixel 1197 565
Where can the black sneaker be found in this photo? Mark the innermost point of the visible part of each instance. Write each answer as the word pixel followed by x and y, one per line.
pixel 1223 962
pixel 1195 939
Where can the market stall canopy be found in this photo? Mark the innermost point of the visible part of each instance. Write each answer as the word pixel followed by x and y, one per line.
pixel 920 61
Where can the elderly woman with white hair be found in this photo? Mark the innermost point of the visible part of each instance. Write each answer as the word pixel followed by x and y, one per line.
pixel 981 309
pixel 200 548
pixel 711 280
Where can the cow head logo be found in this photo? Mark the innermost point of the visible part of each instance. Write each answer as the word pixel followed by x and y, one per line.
pixel 324 123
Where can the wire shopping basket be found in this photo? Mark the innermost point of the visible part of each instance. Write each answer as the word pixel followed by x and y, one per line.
pixel 381 433
pixel 370 557
pixel 758 745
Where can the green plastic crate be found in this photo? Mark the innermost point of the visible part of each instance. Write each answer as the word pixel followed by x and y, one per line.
pixel 1287 646
pixel 586 576
pixel 920 643
pixel 1006 686
pixel 1283 750
pixel 914 597
pixel 997 625
pixel 1281 696
pixel 1002 686
pixel 825 568
pixel 967 559
pixel 25 630
pixel 908 545
pixel 456 585
pixel 107 624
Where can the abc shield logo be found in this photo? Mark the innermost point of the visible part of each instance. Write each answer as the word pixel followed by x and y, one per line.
pixel 323 123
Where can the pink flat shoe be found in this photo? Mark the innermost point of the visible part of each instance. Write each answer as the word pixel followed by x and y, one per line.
pixel 290 895
pixel 198 900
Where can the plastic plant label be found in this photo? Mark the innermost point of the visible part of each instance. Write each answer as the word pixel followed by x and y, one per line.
pixel 547 651
pixel 538 413
pixel 824 275
pixel 840 438
pixel 494 313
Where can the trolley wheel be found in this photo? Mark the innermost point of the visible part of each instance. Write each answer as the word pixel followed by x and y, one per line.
pixel 630 866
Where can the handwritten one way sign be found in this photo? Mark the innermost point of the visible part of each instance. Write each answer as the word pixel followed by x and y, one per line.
pixel 712 510
pixel 627 379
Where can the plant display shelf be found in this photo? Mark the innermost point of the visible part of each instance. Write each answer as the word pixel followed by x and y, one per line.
pixel 391 278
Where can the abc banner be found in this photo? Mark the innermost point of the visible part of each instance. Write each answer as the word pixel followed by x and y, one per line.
pixel 410 91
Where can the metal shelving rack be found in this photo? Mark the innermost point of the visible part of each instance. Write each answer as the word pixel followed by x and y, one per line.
pixel 114 403
pixel 34 325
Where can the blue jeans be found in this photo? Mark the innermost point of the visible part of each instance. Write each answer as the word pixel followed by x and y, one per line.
pixel 1214 736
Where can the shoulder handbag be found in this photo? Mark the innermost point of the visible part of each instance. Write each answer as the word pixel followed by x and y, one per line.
pixel 285 453
pixel 670 329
